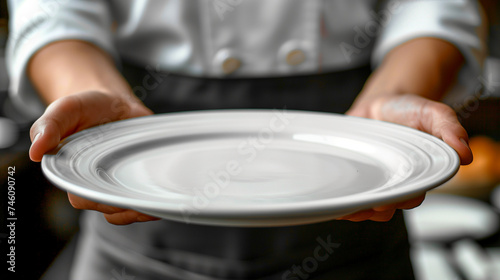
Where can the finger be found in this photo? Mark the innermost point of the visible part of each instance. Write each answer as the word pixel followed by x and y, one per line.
pixel 370 215
pixel 432 117
pixel 442 122
pixel 358 216
pixel 383 213
pixel 128 217
pixel 137 109
pixel 407 204
pixel 85 204
pixel 358 111
pixel 114 215
pixel 382 216
pixel 412 203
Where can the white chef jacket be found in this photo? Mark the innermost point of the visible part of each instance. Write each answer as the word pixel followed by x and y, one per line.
pixel 239 38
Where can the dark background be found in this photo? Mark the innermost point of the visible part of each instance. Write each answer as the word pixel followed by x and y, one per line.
pixel 46 221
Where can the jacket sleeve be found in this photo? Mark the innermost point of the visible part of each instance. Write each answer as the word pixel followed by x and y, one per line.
pixel 36 23
pixel 460 22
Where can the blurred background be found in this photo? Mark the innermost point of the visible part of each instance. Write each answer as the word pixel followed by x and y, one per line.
pixel 455 234
pixel 46 221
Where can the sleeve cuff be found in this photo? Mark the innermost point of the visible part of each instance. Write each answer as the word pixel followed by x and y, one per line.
pixel 459 22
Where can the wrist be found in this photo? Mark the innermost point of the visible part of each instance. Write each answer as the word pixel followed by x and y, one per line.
pixel 67 67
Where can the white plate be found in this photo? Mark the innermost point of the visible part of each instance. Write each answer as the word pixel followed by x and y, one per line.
pixel 250 167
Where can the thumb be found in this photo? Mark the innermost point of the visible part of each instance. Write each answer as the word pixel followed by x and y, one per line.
pixel 77 112
pixel 137 109
pixel 59 119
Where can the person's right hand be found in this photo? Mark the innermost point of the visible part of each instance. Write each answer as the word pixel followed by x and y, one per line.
pixel 77 112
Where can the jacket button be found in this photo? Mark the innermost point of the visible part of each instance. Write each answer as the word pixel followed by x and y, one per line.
pixel 230 64
pixel 295 57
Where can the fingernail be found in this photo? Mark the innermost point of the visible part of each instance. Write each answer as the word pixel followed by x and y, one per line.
pixel 36 138
pixel 465 143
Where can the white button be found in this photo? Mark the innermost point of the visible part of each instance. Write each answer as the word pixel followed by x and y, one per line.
pixel 295 57
pixel 226 62
pixel 230 64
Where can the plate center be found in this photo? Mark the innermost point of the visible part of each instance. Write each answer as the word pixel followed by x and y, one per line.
pixel 230 173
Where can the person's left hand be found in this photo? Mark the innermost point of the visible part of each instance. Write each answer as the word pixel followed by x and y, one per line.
pixel 417 112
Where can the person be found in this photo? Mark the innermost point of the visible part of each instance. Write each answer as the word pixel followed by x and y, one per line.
pixel 77 64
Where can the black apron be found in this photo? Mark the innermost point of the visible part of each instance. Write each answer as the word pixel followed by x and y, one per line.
pixel 174 250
